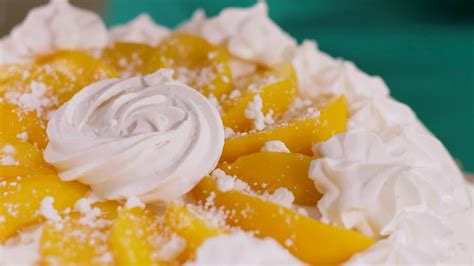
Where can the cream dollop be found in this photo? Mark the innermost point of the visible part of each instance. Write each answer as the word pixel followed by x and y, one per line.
pixel 52 27
pixel 401 185
pixel 248 33
pixel 243 249
pixel 387 176
pixel 318 74
pixel 151 137
pixel 140 30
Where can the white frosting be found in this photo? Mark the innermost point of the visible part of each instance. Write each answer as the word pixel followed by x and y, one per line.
pixel 248 33
pixel 52 27
pixel 242 249
pixel 151 137
pixel 194 24
pixel 387 177
pixel 140 30
pixel 318 74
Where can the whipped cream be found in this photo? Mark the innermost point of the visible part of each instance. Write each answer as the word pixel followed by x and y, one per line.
pixel 52 27
pixel 248 33
pixel 140 30
pixel 387 176
pixel 243 249
pixel 150 137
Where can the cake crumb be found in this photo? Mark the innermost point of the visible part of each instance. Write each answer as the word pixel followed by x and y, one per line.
pixel 226 182
pixel 275 146
pixel 8 160
pixel 47 209
pixel 282 196
pixel 254 112
pixel 22 135
pixel 8 149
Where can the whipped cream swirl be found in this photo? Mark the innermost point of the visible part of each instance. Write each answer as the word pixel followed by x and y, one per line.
pixel 151 137
pixel 140 30
pixel 387 176
pixel 52 27
pixel 248 33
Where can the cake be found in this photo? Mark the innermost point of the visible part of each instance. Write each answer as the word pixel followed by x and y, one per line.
pixel 221 142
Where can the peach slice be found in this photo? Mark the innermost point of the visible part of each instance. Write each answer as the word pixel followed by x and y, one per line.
pixel 298 136
pixel 28 125
pixel 309 240
pixel 22 197
pixel 268 171
pixel 81 67
pixel 195 61
pixel 189 225
pixel 129 238
pixel 34 87
pixel 23 171
pixel 14 151
pixel 128 58
pixel 277 90
pixel 71 242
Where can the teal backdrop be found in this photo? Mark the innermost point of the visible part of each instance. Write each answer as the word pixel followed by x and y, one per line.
pixel 424 50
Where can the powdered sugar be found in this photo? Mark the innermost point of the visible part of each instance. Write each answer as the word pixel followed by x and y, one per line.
pixel 36 100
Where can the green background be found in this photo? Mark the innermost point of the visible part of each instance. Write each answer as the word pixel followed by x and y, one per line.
pixel 424 50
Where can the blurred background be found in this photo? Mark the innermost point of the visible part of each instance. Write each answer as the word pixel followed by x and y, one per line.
pixel 423 49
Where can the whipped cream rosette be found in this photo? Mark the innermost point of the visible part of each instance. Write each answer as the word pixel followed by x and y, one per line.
pixel 150 136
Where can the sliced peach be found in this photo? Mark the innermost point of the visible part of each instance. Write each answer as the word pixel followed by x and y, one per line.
pixel 277 90
pixel 34 87
pixel 81 67
pixel 108 209
pixel 28 125
pixel 268 171
pixel 14 151
pixel 127 58
pixel 71 242
pixel 189 225
pixel 22 197
pixel 23 171
pixel 298 136
pixel 130 237
pixel 309 240
pixel 195 61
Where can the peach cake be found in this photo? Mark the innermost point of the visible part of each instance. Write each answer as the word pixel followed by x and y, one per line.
pixel 222 142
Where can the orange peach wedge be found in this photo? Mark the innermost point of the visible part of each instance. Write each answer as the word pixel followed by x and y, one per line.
pixel 196 62
pixel 194 229
pixel 309 240
pixel 27 125
pixel 128 58
pixel 275 88
pixel 22 197
pixel 268 171
pixel 80 67
pixel 298 136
